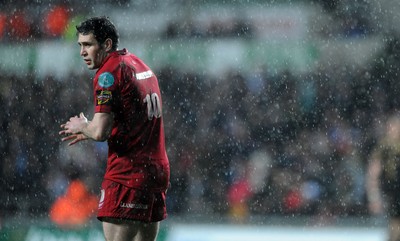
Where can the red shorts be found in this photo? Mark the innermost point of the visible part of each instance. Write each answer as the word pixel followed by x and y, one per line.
pixel 119 201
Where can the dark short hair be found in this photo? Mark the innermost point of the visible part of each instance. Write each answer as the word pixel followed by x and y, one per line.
pixel 102 28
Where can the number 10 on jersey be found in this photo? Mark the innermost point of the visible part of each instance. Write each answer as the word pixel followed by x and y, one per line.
pixel 153 106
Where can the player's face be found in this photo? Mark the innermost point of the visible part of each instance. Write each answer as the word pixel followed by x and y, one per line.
pixel 91 51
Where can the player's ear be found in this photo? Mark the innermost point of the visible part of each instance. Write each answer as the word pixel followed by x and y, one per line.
pixel 108 45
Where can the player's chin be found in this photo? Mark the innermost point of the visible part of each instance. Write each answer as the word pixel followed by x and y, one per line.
pixel 92 67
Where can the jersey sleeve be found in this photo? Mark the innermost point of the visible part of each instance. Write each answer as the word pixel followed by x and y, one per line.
pixel 106 91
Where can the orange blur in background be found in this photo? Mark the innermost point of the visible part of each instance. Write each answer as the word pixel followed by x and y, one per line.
pixel 75 208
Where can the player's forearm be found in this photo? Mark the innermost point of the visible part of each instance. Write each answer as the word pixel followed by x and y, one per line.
pixel 94 132
pixel 99 128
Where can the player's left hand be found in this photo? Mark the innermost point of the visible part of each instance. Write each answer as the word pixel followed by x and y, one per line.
pixel 74 125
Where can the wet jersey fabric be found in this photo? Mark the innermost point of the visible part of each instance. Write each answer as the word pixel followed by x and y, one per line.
pixel 127 88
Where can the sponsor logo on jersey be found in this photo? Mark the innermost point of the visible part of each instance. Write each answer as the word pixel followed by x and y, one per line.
pixel 103 97
pixel 144 75
pixel 134 205
pixel 106 80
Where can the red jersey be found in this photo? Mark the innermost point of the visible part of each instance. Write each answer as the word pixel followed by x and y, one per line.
pixel 127 88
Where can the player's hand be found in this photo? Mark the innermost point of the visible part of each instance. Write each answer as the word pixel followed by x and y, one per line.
pixel 75 138
pixel 75 125
pixel 73 129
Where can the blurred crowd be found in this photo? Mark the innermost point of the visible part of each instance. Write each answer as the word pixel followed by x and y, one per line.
pixel 36 168
pixel 264 144
pixel 239 144
pixel 24 21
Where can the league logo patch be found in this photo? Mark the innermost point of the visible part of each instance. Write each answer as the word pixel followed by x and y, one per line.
pixel 106 80
pixel 103 97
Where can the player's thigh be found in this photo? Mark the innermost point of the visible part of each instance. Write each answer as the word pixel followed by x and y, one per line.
pixel 148 232
pixel 117 230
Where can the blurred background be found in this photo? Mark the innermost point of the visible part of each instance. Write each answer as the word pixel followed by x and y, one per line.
pixel 271 108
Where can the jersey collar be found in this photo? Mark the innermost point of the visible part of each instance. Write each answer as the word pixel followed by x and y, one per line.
pixel 114 54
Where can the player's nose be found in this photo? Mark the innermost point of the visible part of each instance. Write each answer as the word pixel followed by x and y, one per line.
pixel 83 52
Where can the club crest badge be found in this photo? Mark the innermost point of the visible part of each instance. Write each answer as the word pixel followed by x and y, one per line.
pixel 106 80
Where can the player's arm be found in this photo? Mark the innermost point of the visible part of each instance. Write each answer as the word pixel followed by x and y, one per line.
pixel 99 129
pixel 79 128
pixel 372 185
